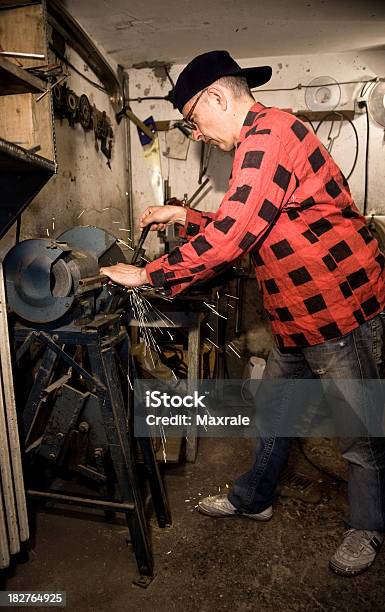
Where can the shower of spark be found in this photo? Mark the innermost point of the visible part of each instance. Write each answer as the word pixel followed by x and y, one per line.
pixel 122 229
pixel 216 346
pixel 163 438
pixel 125 244
pixel 208 325
pixel 53 224
pixel 231 347
pixel 147 314
pixel 47 230
pixel 214 311
pixel 129 382
pixel 83 211
pixel 233 297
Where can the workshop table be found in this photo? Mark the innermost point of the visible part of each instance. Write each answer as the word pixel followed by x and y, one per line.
pixel 183 319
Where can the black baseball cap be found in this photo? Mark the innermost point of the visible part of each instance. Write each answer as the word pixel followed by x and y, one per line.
pixel 209 67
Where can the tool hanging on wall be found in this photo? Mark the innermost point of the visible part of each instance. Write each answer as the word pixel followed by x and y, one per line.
pixel 151 150
pixel 77 109
pixel 204 160
pixel 85 112
pixel 103 132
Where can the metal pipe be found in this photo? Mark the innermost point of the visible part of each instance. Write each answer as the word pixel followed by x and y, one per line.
pixel 92 280
pixel 197 192
pixel 34 56
pixel 127 143
pixel 82 501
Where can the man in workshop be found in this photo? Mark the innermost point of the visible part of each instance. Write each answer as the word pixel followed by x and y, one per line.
pixel 318 266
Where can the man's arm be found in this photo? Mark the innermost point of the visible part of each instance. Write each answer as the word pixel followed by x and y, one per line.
pixel 195 223
pixel 262 182
pixel 159 217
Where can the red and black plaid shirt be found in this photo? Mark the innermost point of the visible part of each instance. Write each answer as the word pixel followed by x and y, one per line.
pixel 318 266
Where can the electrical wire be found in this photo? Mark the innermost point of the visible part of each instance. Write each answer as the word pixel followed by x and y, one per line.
pixel 79 72
pixel 296 87
pixel 300 86
pixel 364 105
pixel 366 159
pixel 148 98
pixel 345 118
pixel 169 77
pixel 364 90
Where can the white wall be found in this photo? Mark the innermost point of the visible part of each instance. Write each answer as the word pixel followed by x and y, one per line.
pixel 287 72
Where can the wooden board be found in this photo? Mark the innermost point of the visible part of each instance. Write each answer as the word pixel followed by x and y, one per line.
pixel 16 80
pixel 23 120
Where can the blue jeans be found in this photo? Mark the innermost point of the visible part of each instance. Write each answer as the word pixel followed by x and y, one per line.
pixel 354 356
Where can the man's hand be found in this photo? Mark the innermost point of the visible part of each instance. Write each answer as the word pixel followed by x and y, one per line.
pixel 160 216
pixel 124 274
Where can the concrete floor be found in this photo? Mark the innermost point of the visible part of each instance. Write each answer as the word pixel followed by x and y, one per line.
pixel 202 563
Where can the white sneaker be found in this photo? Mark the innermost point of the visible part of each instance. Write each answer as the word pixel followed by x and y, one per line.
pixel 219 505
pixel 357 552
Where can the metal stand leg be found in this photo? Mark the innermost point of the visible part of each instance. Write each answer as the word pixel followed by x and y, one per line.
pixel 42 379
pixel 192 378
pixel 158 493
pixel 103 365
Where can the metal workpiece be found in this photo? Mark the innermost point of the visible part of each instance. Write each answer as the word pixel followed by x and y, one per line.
pixel 137 256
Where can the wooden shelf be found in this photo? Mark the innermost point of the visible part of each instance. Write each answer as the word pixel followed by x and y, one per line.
pixel 321 115
pixel 15 80
pixel 22 175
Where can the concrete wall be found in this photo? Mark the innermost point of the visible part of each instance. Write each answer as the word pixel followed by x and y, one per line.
pixel 85 190
pixel 287 72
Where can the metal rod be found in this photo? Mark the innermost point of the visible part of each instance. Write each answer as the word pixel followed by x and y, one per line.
pixel 142 126
pixel 23 55
pixel 51 88
pixel 138 248
pixel 82 501
pixel 92 280
pixel 197 192
pixel 10 405
pixel 93 380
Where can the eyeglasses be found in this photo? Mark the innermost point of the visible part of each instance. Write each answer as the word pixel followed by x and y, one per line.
pixel 190 123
